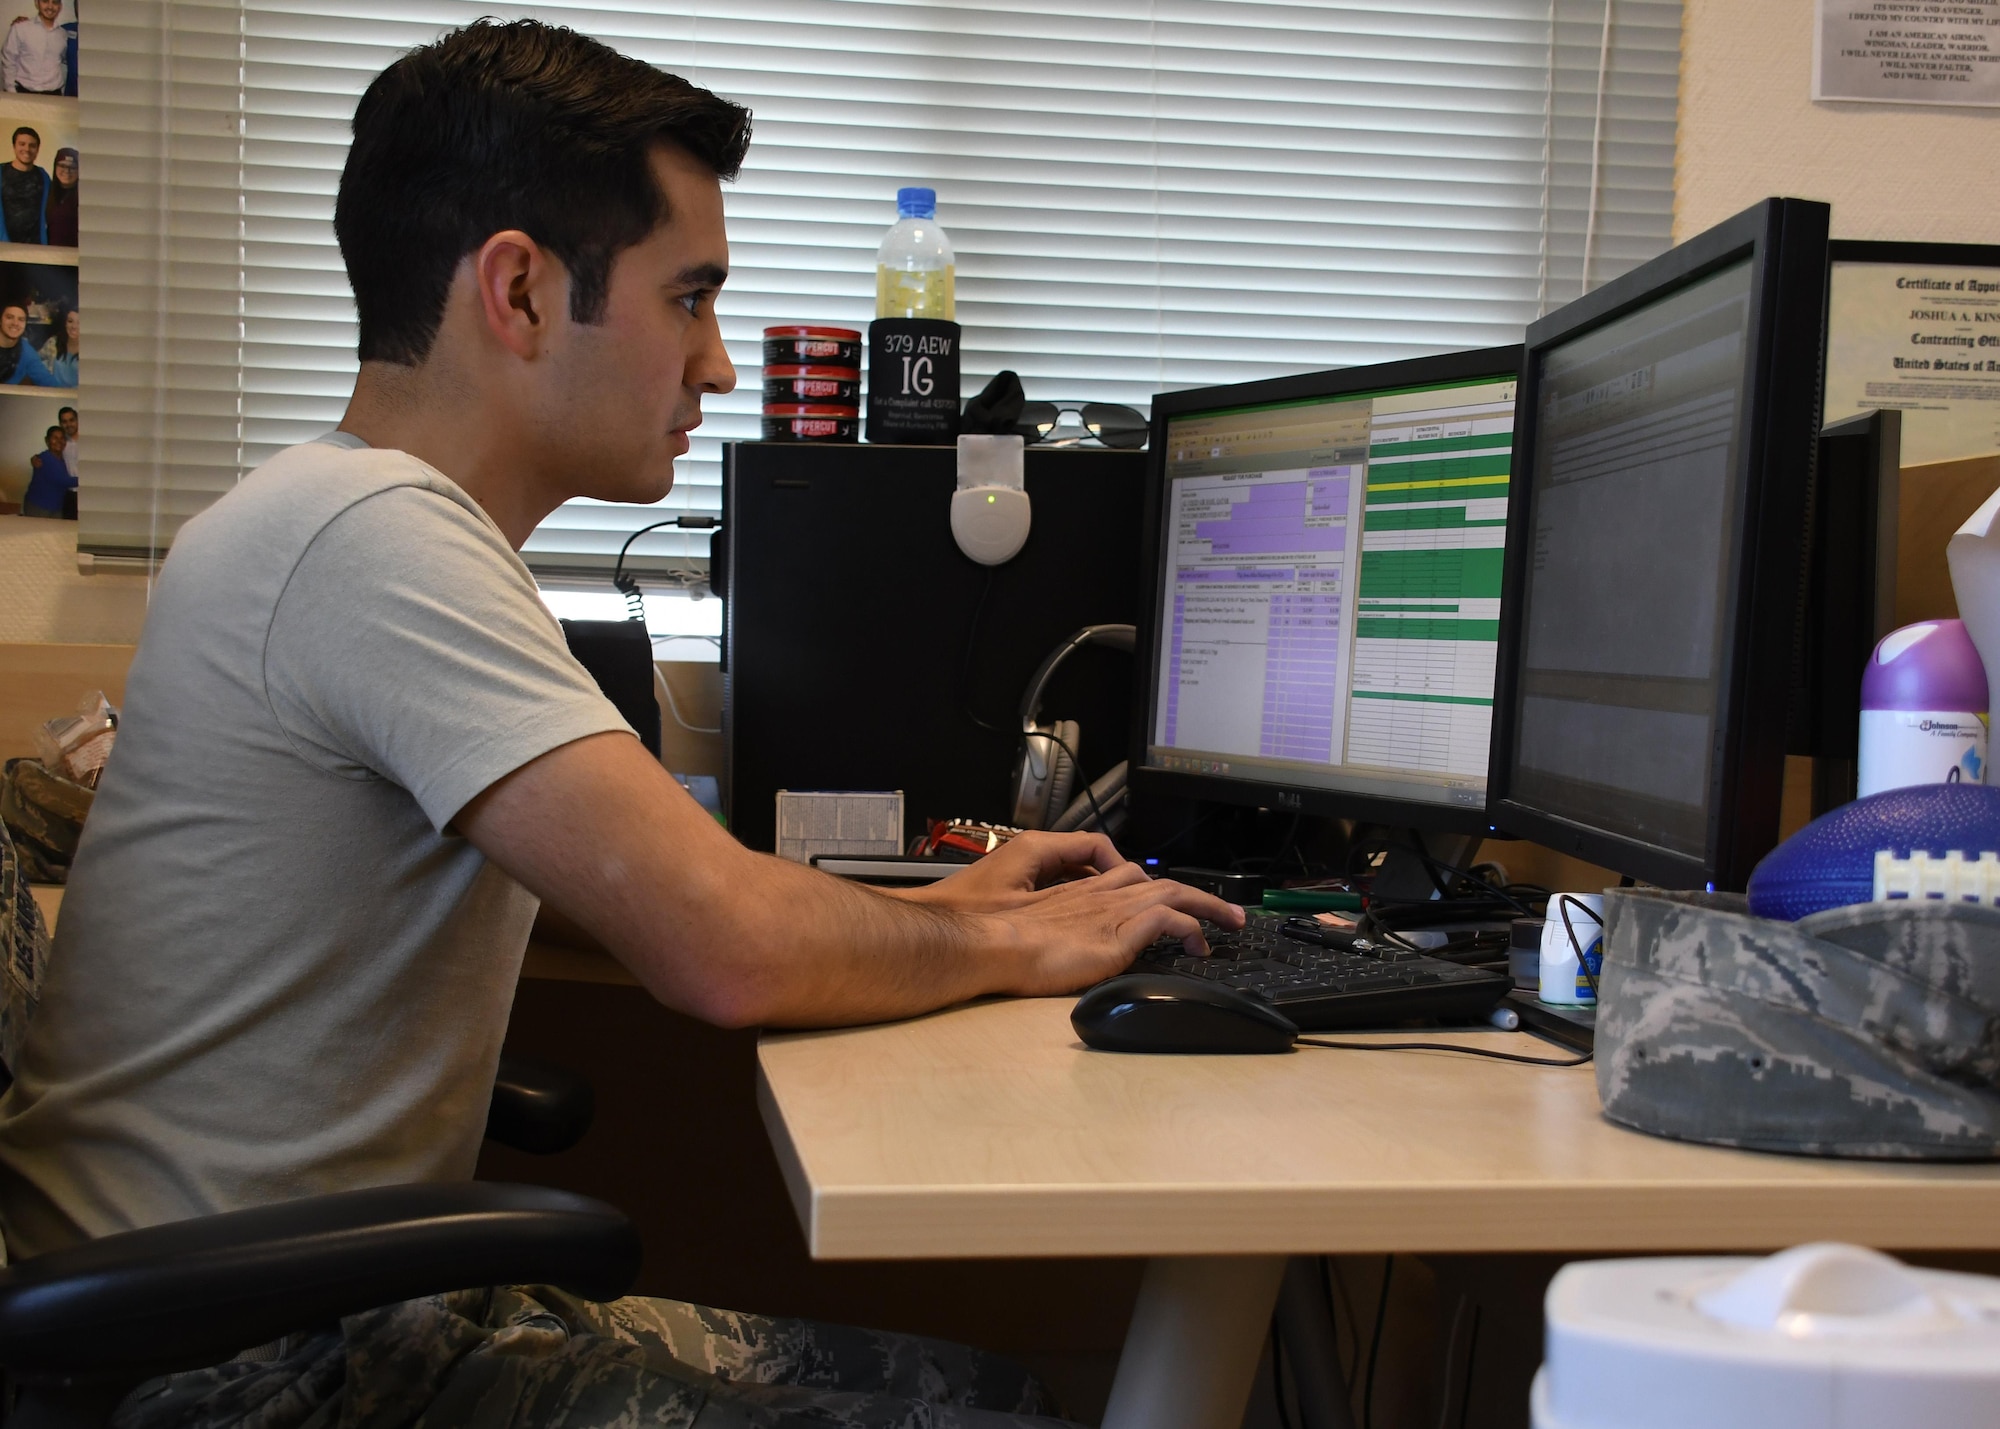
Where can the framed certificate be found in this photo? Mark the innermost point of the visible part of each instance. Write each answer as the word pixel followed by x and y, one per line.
pixel 1916 327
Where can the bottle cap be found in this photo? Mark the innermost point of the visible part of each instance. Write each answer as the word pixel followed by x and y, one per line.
pixel 1928 666
pixel 916 203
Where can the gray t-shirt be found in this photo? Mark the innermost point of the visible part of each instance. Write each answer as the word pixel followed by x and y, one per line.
pixel 278 970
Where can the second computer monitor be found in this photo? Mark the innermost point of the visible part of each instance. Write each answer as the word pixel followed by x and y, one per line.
pixel 1324 589
pixel 1650 632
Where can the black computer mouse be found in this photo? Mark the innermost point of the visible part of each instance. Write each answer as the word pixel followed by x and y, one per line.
pixel 1154 1012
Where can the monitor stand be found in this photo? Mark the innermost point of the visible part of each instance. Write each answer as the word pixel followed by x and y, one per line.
pixel 1402 875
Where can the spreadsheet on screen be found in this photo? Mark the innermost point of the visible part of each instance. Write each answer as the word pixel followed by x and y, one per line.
pixel 1332 590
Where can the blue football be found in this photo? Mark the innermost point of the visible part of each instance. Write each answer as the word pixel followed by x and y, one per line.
pixel 1831 861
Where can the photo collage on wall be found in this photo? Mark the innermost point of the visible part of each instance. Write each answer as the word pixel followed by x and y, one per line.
pixel 41 324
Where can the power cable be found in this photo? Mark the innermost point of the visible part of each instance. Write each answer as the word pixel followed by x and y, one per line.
pixel 674 708
pixel 627 585
pixel 1471 1350
pixel 1450 1359
pixel 1341 1310
pixel 1375 1345
pixel 1278 1375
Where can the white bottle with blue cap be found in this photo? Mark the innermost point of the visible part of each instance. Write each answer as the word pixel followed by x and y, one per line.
pixel 915 269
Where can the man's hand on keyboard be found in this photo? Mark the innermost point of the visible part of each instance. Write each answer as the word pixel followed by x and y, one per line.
pixel 1076 911
pixel 1012 875
pixel 1073 934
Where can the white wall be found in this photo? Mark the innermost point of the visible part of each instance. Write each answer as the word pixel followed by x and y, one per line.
pixel 44 599
pixel 1749 129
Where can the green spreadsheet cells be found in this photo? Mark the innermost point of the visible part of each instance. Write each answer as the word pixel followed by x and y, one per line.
pixel 1471 442
pixel 1394 474
pixel 1426 518
pixel 1404 627
pixel 1371 607
pixel 1461 573
pixel 1410 494
pixel 1414 697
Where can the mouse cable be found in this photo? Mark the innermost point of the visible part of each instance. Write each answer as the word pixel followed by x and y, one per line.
pixel 1445 1047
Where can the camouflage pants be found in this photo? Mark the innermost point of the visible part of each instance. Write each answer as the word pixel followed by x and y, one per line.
pixel 531 1356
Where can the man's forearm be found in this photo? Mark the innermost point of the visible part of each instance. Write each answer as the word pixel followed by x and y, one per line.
pixel 783 945
pixel 604 836
pixel 607 839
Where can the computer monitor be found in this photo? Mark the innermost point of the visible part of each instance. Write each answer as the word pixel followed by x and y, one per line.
pixel 1323 590
pixel 1850 592
pixel 1662 464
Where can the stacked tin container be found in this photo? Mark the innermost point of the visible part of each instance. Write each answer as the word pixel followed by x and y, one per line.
pixel 812 384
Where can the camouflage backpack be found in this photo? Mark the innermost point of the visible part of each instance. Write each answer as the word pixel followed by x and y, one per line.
pixel 24 953
pixel 43 812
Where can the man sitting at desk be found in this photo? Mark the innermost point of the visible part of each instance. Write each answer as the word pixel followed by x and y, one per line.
pixel 356 754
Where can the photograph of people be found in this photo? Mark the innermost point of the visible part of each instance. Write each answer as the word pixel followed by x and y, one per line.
pixel 25 418
pixel 24 190
pixel 39 54
pixel 40 165
pixel 59 217
pixel 51 485
pixel 20 364
pixel 36 304
pixel 59 350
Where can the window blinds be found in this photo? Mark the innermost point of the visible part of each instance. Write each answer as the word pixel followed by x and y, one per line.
pixel 1143 194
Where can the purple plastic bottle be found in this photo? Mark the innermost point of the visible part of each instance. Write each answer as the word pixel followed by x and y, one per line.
pixel 1923 709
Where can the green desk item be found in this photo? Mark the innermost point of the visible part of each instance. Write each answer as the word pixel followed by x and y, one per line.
pixel 1308 900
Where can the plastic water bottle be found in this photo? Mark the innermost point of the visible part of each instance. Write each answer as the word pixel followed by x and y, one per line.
pixel 913 344
pixel 1923 709
pixel 915 268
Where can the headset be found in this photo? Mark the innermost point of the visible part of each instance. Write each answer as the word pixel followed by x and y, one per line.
pixel 1045 767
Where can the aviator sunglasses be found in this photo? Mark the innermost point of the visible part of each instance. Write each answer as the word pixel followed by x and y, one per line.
pixel 1109 423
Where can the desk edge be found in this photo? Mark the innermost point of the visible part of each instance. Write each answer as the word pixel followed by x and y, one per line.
pixel 797 1185
pixel 859 1223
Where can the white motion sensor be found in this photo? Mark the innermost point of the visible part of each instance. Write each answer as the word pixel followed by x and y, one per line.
pixel 990 514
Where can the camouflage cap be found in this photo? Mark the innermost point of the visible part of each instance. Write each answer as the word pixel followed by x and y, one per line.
pixel 1871 1030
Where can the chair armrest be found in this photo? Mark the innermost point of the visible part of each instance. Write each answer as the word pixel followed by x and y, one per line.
pixel 538 1107
pixel 195 1292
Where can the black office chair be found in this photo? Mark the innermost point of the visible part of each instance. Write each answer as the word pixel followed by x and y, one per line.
pixel 80 1328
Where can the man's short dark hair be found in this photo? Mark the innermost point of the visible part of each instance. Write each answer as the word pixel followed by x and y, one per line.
pixel 52 431
pixel 72 412
pixel 519 125
pixel 24 129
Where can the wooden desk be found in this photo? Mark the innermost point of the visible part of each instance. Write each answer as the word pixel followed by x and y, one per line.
pixel 989 1130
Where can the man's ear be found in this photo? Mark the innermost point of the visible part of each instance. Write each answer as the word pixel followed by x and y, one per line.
pixel 519 287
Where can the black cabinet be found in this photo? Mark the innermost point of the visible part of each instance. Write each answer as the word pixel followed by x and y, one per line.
pixel 860 642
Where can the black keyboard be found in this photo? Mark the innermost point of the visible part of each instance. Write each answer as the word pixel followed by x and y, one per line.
pixel 1324 979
